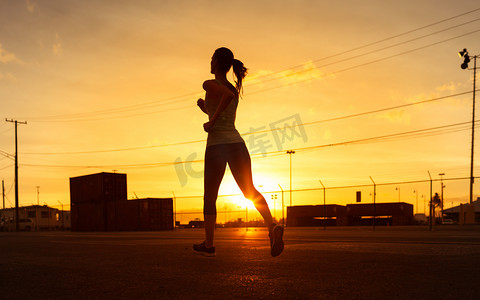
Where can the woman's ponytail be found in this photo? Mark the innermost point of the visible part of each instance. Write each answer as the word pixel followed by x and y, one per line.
pixel 240 72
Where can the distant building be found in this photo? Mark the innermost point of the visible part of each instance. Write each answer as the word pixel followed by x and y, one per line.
pixel 464 213
pixel 42 217
pixel 99 203
pixel 400 213
pixel 197 223
pixel 420 219
pixel 350 215
pixel 316 215
pixel 64 219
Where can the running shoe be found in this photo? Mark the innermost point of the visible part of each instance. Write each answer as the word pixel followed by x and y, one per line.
pixel 276 240
pixel 201 249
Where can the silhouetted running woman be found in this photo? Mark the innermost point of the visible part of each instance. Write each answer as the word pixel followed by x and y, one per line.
pixel 226 146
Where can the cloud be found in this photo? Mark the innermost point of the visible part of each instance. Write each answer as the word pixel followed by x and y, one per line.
pixel 7 77
pixel 306 72
pixel 397 116
pixel 450 87
pixel 57 46
pixel 6 57
pixel 31 6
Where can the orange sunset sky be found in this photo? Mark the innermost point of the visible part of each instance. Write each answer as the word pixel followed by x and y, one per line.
pixel 112 85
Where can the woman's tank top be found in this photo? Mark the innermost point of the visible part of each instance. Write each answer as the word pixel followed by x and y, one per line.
pixel 224 131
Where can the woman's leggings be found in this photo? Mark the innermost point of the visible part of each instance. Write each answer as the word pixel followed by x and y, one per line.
pixel 216 159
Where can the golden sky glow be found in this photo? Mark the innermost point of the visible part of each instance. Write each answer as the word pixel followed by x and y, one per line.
pixel 112 85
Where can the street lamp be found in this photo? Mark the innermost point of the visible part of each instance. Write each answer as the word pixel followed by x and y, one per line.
pixel 63 219
pixel 36 208
pixel 441 182
pixel 416 203
pixel 274 198
pixel 283 207
pixel 398 189
pixel 464 65
pixel 290 152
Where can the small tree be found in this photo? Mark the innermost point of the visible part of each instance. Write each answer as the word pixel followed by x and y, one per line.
pixel 437 202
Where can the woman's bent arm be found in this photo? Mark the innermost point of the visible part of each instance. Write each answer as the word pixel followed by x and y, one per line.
pixel 201 104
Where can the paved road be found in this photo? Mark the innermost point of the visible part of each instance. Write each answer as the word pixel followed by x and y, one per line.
pixel 339 263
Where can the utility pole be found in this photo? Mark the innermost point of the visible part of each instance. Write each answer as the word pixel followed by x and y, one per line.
pixel 441 182
pixel 473 128
pixel 431 203
pixel 464 65
pixel 174 211
pixel 290 152
pixel 283 207
pixel 416 203
pixel 374 201
pixel 16 171
pixel 3 196
pixel 324 207
pixel 63 219
pixel 36 208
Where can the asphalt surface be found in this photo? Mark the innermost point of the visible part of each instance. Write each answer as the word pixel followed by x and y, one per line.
pixel 337 263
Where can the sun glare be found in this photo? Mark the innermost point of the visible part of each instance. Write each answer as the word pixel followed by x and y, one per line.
pixel 264 185
pixel 240 202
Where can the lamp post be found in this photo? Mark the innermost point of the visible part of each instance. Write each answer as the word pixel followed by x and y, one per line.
pixel 416 203
pixel 63 220
pixel 274 198
pixel 374 201
pixel 36 208
pixel 283 206
pixel 398 189
pixel 464 65
pixel 441 182
pixel 290 152
pixel 424 205
pixel 324 207
pixel 432 208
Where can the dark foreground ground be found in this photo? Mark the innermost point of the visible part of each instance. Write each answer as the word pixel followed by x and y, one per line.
pixel 339 263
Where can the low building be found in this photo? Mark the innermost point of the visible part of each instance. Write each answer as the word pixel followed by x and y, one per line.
pixel 43 217
pixel 464 213
pixel 400 213
pixel 316 215
pixel 64 220
pixel 350 215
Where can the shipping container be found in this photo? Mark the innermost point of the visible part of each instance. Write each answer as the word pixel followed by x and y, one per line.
pixel 99 187
pixel 96 201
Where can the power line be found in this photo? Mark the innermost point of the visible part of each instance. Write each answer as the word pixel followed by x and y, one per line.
pixel 366 63
pixel 6 167
pixel 430 131
pixel 385 137
pixel 6 155
pixel 122 109
pixel 259 131
pixel 379 49
pixel 116 117
pixel 382 40
pixel 156 103
pixel 322 76
pixel 11 205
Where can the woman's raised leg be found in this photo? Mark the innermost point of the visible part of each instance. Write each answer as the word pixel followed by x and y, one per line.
pixel 241 167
